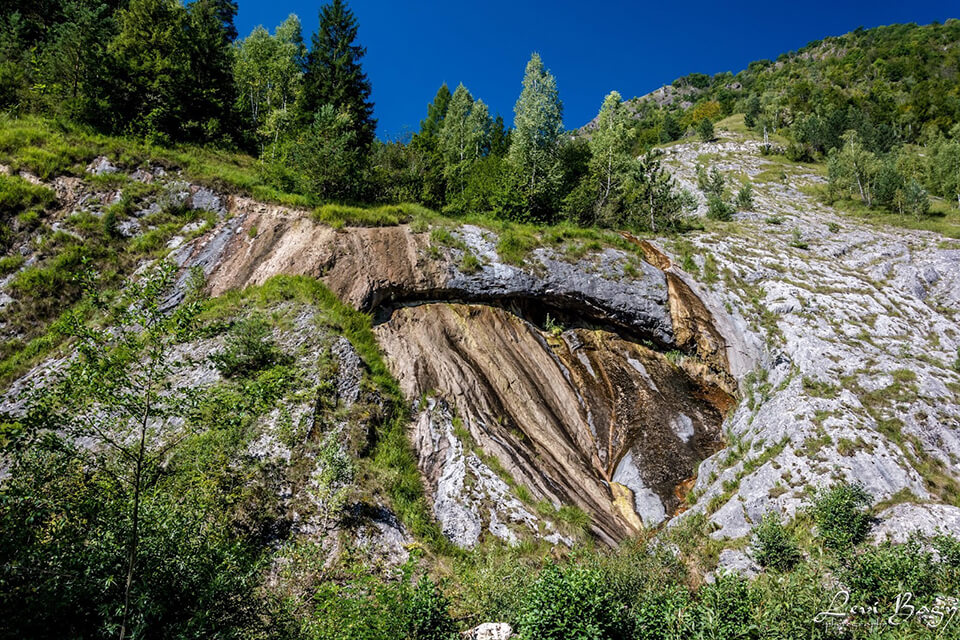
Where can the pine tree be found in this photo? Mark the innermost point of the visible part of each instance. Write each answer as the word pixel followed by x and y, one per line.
pixel 334 75
pixel 436 111
pixel 537 128
pixel 72 58
pixel 211 90
pixel 499 138
pixel 426 144
pixel 705 130
pixel 151 56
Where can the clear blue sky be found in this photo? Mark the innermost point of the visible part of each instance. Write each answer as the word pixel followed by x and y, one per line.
pixel 592 46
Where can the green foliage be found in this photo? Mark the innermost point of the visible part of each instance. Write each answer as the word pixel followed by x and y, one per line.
pixel 141 552
pixel 883 572
pixel 718 209
pixel 712 182
pixel 571 602
pixel 470 263
pixel 326 157
pixel 334 77
pixel 428 613
pixel 537 128
pixel 840 512
pixel 366 606
pixel 773 545
pixel 745 197
pixel 268 79
pixel 249 349
pixel 16 194
pixel 725 609
pixel 705 130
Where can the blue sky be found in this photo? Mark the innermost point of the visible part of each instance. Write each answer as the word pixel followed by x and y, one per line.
pixel 592 47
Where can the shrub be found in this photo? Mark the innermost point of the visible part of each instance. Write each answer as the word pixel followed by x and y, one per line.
pixel 717 209
pixel 705 130
pixel 796 239
pixel 725 608
pixel 883 572
pixel 428 616
pixel 745 197
pixel 249 348
pixel 574 602
pixel 712 182
pixel 841 515
pixel 773 546
pixel 659 613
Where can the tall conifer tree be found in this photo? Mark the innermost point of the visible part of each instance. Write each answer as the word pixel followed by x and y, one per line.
pixel 334 75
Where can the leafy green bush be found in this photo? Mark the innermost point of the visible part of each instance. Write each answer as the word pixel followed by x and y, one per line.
pixel 882 573
pixel 364 605
pixel 249 348
pixel 428 615
pixel 659 613
pixel 571 602
pixel 705 130
pixel 745 197
pixel 841 515
pixel 773 545
pixel 725 608
pixel 717 209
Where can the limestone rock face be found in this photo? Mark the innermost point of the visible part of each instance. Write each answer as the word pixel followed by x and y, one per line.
pixel 548 381
pixel 855 339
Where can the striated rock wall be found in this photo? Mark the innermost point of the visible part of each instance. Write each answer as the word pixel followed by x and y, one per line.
pixel 594 414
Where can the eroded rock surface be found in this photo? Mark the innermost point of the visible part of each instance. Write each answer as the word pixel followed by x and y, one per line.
pixel 594 415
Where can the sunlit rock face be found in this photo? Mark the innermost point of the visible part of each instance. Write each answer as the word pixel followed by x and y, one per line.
pixel 598 382
pixel 576 416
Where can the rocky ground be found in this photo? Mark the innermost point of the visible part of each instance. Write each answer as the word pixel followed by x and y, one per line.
pixel 854 339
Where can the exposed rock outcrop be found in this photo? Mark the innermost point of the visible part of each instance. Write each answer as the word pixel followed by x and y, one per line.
pixel 595 415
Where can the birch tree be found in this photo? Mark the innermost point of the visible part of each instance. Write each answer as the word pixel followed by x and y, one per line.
pixel 538 127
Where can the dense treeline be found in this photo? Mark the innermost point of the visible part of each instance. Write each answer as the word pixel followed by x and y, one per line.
pixel 172 73
pixel 168 73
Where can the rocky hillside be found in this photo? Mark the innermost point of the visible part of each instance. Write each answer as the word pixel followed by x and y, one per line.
pixel 631 386
pixel 577 390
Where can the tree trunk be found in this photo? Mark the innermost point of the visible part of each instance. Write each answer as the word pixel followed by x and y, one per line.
pixel 135 529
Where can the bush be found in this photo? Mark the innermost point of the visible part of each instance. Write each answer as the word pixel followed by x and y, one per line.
pixel 841 515
pixel 882 573
pixel 659 613
pixel 745 197
pixel 249 348
pixel 773 546
pixel 574 602
pixel 717 209
pixel 705 130
pixel 712 182
pixel 428 616
pixel 725 608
